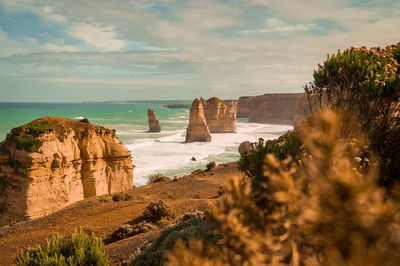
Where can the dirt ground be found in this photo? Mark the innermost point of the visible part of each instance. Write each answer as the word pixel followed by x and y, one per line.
pixel 101 215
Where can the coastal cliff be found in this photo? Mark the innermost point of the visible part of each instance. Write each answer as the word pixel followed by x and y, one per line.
pixel 273 108
pixel 53 162
pixel 197 130
pixel 220 118
pixel 244 106
pixel 154 124
pixel 301 110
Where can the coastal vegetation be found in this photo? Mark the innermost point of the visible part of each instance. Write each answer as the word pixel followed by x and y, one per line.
pixel 26 137
pixel 76 249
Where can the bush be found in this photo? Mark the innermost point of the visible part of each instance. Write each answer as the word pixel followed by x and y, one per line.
pixel 155 211
pixel 154 255
pixel 77 249
pixel 366 84
pixel 121 197
pixel 128 230
pixel 157 178
pixel 251 162
pixel 210 166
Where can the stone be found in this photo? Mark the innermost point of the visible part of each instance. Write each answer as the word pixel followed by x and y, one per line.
pixel 245 146
pixel 220 117
pixel 273 108
pixel 197 130
pixel 243 107
pixel 232 104
pixel 154 124
pixel 53 162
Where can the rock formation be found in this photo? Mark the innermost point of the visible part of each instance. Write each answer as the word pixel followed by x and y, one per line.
pixel 243 107
pixel 197 130
pixel 220 118
pixel 232 104
pixel 154 124
pixel 245 146
pixel 273 108
pixel 53 162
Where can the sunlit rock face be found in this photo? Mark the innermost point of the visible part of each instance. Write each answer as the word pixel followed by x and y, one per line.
pixel 273 108
pixel 220 117
pixel 197 130
pixel 53 162
pixel 154 124
pixel 232 104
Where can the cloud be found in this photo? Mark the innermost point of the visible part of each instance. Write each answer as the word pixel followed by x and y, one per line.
pixel 186 48
pixel 103 38
pixel 278 25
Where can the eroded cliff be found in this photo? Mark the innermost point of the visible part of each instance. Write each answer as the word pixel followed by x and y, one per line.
pixel 273 108
pixel 220 117
pixel 53 162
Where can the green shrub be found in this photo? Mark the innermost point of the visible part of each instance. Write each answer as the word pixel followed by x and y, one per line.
pixel 366 84
pixel 154 255
pixel 77 249
pixel 251 162
pixel 26 137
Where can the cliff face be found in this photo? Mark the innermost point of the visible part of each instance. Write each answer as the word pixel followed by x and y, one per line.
pixel 53 162
pixel 232 104
pixel 220 118
pixel 154 124
pixel 244 106
pixel 197 130
pixel 273 108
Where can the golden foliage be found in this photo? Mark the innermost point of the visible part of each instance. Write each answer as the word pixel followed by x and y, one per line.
pixel 326 211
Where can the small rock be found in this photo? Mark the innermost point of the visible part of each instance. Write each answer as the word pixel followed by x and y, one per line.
pixel 193 159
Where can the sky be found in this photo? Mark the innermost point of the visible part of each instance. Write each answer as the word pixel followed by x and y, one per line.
pixel 99 50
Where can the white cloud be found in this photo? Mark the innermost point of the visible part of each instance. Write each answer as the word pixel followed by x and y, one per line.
pixel 278 25
pixel 102 38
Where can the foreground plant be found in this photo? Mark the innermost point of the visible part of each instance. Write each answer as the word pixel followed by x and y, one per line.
pixel 76 249
pixel 327 211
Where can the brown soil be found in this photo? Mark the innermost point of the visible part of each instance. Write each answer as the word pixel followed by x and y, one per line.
pixel 101 215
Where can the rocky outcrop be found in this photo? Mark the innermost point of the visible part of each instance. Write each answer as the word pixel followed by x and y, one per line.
pixel 244 106
pixel 232 104
pixel 220 118
pixel 197 130
pixel 53 162
pixel 274 108
pixel 245 146
pixel 154 124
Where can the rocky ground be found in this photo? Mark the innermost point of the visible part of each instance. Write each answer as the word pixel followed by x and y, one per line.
pixel 102 215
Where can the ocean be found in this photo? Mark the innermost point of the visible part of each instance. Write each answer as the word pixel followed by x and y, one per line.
pixel 152 153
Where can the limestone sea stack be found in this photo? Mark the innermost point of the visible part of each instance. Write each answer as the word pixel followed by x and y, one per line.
pixel 53 162
pixel 197 130
pixel 220 118
pixel 154 124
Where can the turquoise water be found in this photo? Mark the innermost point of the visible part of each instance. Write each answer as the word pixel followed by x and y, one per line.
pixel 152 153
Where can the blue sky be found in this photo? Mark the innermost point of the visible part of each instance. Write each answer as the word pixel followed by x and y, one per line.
pixel 72 51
